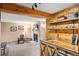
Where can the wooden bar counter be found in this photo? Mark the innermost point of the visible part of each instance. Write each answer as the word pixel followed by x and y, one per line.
pixel 69 48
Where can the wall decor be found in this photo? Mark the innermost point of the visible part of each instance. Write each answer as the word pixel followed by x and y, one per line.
pixel 76 14
pixel 74 39
pixel 36 27
pixel 20 27
pixel 13 28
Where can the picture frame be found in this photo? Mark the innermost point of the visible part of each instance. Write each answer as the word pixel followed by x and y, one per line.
pixel 20 27
pixel 13 28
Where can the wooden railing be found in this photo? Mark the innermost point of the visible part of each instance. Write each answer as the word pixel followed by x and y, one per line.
pixel 47 49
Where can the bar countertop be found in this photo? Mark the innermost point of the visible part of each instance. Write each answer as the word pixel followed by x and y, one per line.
pixel 63 46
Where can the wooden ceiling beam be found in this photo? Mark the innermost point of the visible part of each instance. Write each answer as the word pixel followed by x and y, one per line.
pixel 19 9
pixel 22 10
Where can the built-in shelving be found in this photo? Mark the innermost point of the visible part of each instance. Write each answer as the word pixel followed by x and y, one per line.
pixel 58 26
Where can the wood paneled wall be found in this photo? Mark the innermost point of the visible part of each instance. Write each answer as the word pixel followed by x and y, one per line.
pixel 63 12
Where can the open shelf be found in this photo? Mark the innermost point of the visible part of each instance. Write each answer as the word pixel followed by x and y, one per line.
pixel 69 31
pixel 65 22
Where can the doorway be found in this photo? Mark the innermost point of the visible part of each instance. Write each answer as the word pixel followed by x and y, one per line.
pixel 36 32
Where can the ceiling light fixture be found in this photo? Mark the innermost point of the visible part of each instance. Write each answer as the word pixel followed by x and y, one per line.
pixel 35 5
